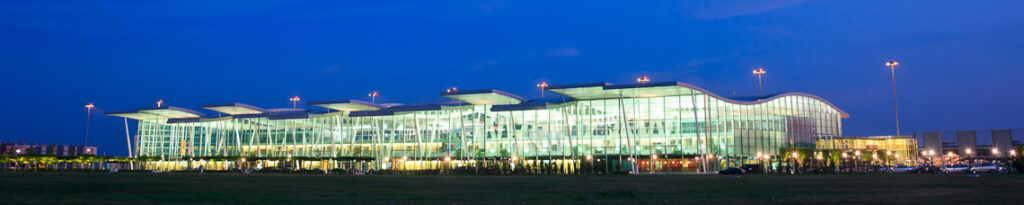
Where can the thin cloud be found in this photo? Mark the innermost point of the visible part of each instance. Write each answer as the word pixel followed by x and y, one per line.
pixel 771 31
pixel 563 52
pixel 485 64
pixel 331 69
pixel 701 62
pixel 733 8
pixel 490 6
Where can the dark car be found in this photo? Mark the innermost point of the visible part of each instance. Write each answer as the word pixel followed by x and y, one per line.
pixel 732 170
pixel 752 168
pixel 928 169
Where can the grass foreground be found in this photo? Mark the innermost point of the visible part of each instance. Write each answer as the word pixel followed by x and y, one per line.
pixel 132 188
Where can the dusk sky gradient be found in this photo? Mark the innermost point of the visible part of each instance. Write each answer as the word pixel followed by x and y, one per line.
pixel 960 61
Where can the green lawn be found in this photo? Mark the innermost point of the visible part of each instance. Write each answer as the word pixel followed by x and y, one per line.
pixel 124 188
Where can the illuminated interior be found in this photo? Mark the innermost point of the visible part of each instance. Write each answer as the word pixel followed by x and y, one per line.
pixel 595 127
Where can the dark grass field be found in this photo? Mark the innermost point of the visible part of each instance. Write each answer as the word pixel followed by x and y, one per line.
pixel 131 188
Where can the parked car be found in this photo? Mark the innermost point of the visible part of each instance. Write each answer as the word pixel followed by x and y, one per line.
pixel 902 169
pixel 987 168
pixel 752 168
pixel 928 169
pixel 732 170
pixel 956 168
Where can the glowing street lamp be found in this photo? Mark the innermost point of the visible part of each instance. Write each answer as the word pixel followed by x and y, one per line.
pixel 294 101
pixel 542 86
pixel 589 157
pixel 373 97
pixel 895 106
pixel 159 102
pixel 450 90
pixel 88 117
pixel 643 80
pixel 759 72
pixel 819 159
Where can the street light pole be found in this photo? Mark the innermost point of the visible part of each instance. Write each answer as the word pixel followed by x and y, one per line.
pixel 1013 157
pixel 373 97
pixel 759 72
pixel 895 106
pixel 857 162
pixel 888 158
pixel 643 80
pixel 542 86
pixel 454 89
pixel 88 117
pixel 294 100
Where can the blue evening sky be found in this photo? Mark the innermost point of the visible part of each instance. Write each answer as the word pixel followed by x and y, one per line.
pixel 960 60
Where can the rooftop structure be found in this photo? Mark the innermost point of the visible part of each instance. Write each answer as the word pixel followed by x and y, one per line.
pixel 14 149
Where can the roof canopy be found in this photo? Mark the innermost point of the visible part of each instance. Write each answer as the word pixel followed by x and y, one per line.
pixel 135 115
pixel 166 112
pixel 483 97
pixel 234 108
pixel 502 101
pixel 604 90
pixel 346 105
pixel 535 104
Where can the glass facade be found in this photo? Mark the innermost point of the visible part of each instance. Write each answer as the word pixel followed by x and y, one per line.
pixel 902 148
pixel 674 127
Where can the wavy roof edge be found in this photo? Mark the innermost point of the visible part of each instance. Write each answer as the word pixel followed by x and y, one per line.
pixel 744 101
pixel 524 104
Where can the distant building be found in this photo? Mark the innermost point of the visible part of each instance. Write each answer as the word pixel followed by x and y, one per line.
pixel 956 146
pixel 7 148
pixel 902 148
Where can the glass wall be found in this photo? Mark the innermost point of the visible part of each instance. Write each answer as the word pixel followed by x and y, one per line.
pixel 661 133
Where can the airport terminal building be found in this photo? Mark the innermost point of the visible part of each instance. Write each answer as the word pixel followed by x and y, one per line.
pixel 590 127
